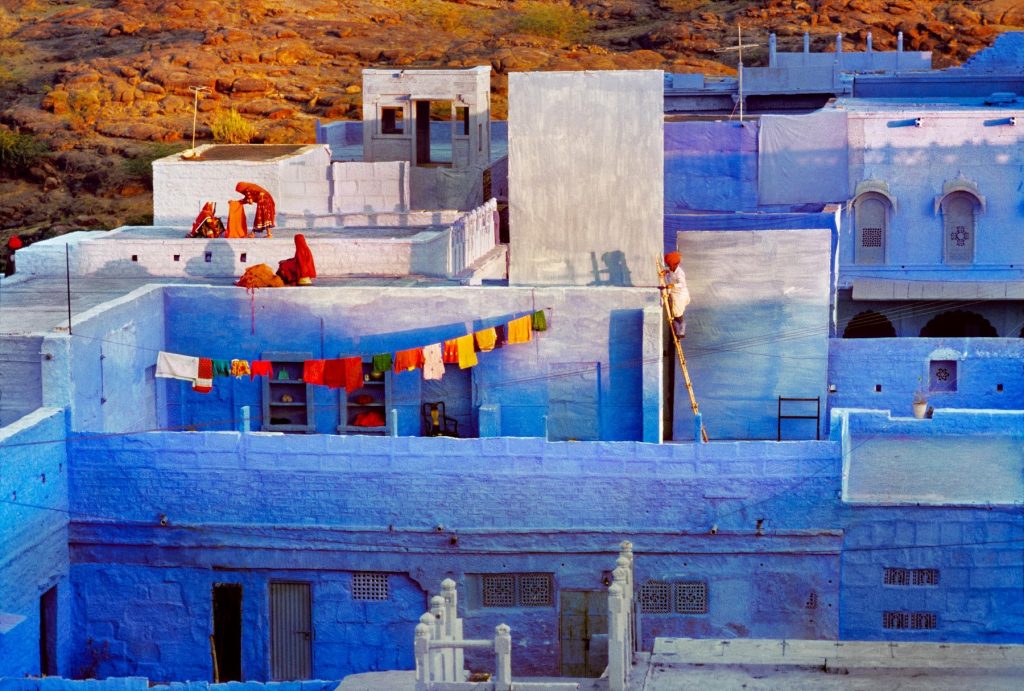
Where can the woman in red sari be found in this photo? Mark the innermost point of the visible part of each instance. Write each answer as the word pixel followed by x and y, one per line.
pixel 300 269
pixel 266 212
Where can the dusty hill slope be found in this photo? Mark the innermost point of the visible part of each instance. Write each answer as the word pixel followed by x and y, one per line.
pixel 91 91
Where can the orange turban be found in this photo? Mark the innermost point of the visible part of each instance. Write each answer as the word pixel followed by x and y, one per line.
pixel 672 260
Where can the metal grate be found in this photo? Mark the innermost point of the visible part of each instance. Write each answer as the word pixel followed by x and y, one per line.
pixel 369 585
pixel 812 601
pixel 499 590
pixel 925 577
pixel 656 597
pixel 909 620
pixel 896 576
pixel 535 590
pixel 871 237
pixel 691 597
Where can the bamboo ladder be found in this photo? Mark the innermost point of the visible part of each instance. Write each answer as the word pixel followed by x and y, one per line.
pixel 679 348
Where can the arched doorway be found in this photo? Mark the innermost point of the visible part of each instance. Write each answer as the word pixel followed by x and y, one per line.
pixel 869 324
pixel 959 324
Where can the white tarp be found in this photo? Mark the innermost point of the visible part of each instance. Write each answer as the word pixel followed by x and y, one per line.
pixel 803 159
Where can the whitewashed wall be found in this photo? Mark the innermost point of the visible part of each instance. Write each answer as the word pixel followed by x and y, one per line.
pixel 586 159
pixel 359 187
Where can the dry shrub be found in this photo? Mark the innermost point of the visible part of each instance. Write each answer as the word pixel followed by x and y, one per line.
pixel 229 127
pixel 554 20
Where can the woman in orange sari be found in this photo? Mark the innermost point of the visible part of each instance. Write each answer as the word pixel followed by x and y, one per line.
pixel 300 269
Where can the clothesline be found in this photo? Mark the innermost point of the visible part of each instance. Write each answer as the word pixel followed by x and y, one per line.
pixel 347 372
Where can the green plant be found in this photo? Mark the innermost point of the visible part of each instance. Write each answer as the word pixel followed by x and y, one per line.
pixel 84 107
pixel 140 167
pixel 20 152
pixel 554 20
pixel 229 127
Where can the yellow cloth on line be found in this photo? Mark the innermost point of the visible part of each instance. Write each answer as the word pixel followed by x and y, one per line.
pixel 486 339
pixel 520 330
pixel 467 356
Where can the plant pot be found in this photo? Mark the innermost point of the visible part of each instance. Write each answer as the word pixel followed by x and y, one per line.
pixel 920 409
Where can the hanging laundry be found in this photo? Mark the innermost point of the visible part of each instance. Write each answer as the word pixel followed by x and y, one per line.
pixel 313 371
pixel 467 356
pixel 520 330
pixel 451 352
pixel 221 368
pixel 204 377
pixel 237 225
pixel 410 359
pixel 260 368
pixel 486 339
pixel 239 368
pixel 353 373
pixel 433 363
pixel 381 363
pixel 174 366
pixel 540 321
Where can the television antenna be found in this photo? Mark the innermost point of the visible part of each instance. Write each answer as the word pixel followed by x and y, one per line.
pixel 191 153
pixel 739 66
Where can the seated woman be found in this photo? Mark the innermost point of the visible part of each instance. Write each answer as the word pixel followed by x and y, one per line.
pixel 300 269
pixel 266 213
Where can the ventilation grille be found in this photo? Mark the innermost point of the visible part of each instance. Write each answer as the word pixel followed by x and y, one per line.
pixel 499 590
pixel 369 586
pixel 535 590
pixel 656 597
pixel 517 590
pixel 871 237
pixel 901 576
pixel 909 620
pixel 691 597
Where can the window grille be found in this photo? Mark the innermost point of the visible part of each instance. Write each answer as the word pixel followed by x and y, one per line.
pixel 656 597
pixel 535 590
pixel 925 577
pixel 896 576
pixel 812 601
pixel 499 590
pixel 909 620
pixel 369 586
pixel 691 597
pixel 871 237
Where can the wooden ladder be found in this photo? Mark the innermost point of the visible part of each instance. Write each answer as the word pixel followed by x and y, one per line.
pixel 679 349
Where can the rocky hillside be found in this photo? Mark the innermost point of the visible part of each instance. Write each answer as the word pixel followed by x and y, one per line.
pixel 92 91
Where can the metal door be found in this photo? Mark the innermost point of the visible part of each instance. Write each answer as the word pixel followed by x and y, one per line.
pixel 291 631
pixel 583 633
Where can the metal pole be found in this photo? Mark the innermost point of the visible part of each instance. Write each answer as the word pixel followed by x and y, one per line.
pixel 739 31
pixel 67 273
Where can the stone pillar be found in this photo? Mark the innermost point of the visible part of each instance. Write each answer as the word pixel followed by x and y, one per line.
pixel 616 639
pixel 772 45
pixel 502 658
pixel 443 655
pixel 421 650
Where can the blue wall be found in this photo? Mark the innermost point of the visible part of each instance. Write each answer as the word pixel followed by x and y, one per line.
pixel 710 166
pixel 596 330
pixel 308 507
pixel 33 536
pixel 143 684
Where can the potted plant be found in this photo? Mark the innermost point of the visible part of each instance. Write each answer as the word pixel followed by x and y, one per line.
pixel 920 400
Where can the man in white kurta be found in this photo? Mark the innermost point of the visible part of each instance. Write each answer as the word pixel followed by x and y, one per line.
pixel 678 294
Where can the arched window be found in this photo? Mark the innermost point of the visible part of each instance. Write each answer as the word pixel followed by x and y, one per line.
pixel 869 324
pixel 871 212
pixel 959 324
pixel 958 227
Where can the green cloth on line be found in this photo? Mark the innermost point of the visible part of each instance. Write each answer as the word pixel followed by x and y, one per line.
pixel 221 368
pixel 382 362
pixel 540 321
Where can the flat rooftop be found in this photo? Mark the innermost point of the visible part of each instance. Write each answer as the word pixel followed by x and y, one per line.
pixel 246 152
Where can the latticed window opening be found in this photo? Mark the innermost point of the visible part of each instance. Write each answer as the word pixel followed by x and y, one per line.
pixel 925 577
pixel 871 237
pixel 896 576
pixel 691 597
pixel 499 590
pixel 656 597
pixel 535 590
pixel 909 620
pixel 369 586
pixel 901 576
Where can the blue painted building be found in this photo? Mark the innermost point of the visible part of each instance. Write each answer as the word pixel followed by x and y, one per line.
pixel 143 524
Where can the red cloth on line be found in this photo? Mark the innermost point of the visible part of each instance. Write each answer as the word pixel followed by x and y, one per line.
pixel 204 379
pixel 344 373
pixel 313 371
pixel 451 352
pixel 408 359
pixel 259 368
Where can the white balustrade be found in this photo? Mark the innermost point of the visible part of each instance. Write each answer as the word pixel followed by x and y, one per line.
pixel 471 236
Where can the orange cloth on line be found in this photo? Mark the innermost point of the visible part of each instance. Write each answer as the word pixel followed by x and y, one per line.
pixel 238 227
pixel 408 359
pixel 313 371
pixel 486 339
pixel 520 330
pixel 451 352
pixel 467 356
pixel 240 368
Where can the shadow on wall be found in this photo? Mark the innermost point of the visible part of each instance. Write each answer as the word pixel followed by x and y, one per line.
pixel 615 272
